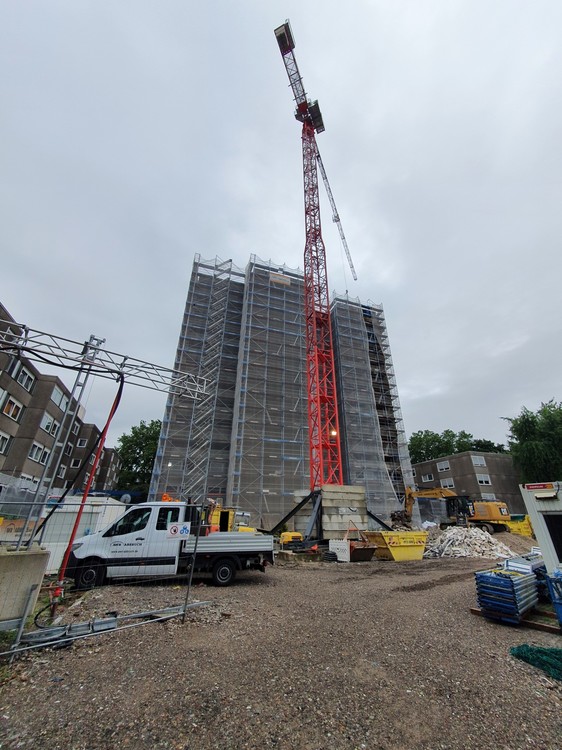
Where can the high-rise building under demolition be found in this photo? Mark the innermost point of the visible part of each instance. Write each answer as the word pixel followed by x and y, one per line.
pixel 246 442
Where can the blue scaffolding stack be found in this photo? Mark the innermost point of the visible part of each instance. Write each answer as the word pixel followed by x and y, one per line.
pixel 506 595
pixel 554 583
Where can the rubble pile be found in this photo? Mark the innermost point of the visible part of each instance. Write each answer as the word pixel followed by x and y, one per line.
pixel 460 542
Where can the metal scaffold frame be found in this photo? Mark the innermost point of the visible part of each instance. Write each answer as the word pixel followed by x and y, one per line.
pixel 388 404
pixel 371 422
pixel 269 435
pixel 89 358
pixel 193 453
pixel 248 439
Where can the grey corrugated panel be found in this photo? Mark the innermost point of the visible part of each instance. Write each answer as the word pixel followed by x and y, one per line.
pixel 238 541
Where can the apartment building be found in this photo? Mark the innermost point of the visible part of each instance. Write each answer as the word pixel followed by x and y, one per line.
pixel 482 476
pixel 108 474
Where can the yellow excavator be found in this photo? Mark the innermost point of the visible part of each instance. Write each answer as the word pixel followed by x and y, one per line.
pixel 489 515
pixel 217 517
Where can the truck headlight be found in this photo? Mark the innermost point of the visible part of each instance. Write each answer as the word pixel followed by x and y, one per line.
pixel 76 546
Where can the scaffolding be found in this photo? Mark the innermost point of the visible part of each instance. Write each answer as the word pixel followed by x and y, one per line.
pixel 375 453
pixel 269 456
pixel 395 444
pixel 245 443
pixel 192 458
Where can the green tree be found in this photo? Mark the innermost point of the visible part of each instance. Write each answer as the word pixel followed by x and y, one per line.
pixel 426 445
pixel 463 442
pixel 447 442
pixel 137 450
pixel 535 442
pixel 488 446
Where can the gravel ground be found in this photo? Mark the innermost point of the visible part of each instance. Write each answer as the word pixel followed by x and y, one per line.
pixel 313 656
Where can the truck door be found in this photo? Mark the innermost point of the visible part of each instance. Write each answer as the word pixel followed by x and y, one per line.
pixel 138 543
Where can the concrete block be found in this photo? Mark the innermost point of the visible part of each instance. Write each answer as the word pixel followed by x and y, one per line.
pixel 19 571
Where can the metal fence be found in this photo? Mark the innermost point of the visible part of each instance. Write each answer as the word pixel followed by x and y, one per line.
pixel 34 536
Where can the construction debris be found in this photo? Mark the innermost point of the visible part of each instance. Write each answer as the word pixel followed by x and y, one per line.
pixel 460 542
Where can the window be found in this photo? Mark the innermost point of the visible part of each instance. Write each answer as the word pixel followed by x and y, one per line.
pixel 478 461
pixel 443 466
pixel 29 478
pixel 427 477
pixel 26 378
pixel 12 409
pixel 59 398
pixel 166 516
pixel 68 449
pixel 75 428
pixel 4 442
pixel 447 483
pixel 62 471
pixel 49 424
pixel 82 443
pixel 75 463
pixel 39 453
pixel 483 479
pixel 488 495
pixel 134 521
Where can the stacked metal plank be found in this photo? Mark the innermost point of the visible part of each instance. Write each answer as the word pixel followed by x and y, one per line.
pixel 506 595
pixel 525 563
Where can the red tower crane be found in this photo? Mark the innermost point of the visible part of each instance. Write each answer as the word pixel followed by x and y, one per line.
pixel 323 422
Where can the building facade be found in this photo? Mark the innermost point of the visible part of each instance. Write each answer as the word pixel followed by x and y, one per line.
pixel 246 442
pixel 108 474
pixel 481 476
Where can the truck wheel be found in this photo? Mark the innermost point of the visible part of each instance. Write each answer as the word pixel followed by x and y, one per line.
pixel 90 574
pixel 488 527
pixel 224 572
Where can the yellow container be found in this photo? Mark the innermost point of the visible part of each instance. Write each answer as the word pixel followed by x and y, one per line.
pixel 520 525
pixel 398 545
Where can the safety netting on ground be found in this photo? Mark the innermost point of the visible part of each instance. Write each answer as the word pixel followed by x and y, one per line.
pixel 547 659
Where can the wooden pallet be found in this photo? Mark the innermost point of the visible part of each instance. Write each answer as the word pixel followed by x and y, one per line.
pixel 541 617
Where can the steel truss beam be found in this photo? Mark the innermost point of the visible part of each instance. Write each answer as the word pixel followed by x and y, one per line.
pixel 54 350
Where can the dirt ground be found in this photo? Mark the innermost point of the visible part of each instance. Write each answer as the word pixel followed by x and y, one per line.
pixel 322 655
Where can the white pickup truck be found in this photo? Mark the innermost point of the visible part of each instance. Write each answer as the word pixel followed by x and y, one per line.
pixel 158 540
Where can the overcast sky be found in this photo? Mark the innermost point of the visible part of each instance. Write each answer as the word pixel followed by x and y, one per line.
pixel 136 133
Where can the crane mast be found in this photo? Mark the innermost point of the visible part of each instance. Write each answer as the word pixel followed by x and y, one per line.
pixel 323 421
